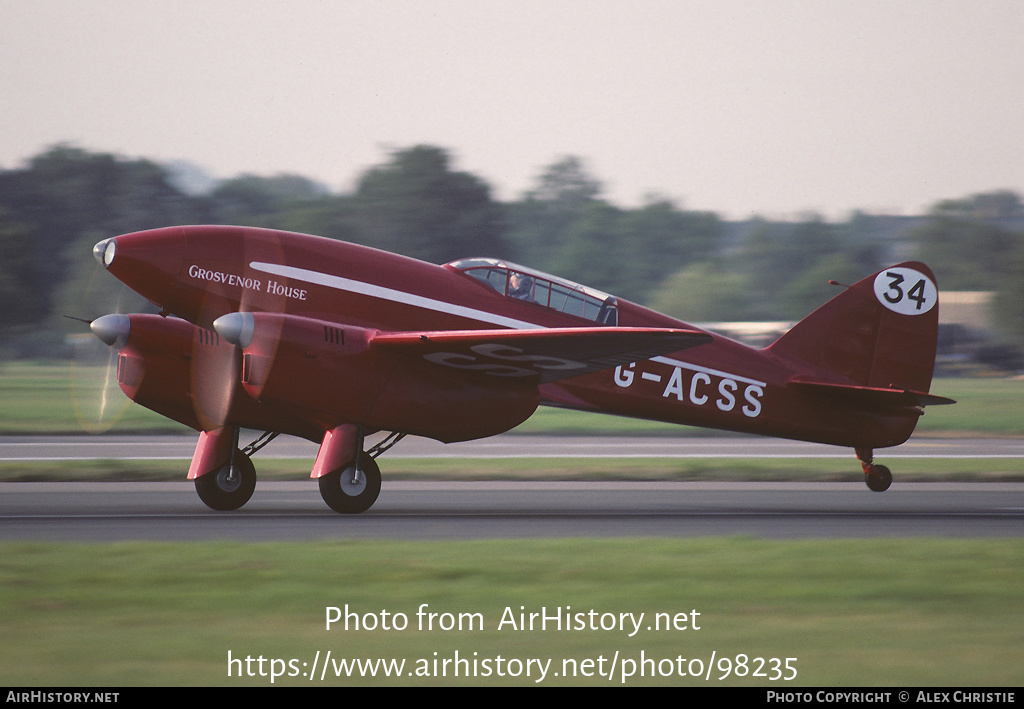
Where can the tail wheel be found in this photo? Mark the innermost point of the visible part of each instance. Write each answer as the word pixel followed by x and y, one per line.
pixel 878 478
pixel 227 487
pixel 347 493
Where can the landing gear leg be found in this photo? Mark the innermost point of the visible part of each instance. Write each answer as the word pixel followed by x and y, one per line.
pixel 224 475
pixel 229 486
pixel 877 477
pixel 349 476
pixel 357 470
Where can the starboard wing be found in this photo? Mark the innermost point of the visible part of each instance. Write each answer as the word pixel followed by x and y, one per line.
pixel 540 355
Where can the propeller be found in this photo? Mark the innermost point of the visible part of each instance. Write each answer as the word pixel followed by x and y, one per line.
pixel 217 361
pixel 215 379
pixel 96 397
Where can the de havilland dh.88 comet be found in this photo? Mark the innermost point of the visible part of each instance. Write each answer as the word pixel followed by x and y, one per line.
pixel 332 341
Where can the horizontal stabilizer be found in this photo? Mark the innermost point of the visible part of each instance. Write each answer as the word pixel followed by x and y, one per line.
pixel 874 396
pixel 541 355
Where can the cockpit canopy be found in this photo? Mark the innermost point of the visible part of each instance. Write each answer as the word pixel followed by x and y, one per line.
pixel 515 281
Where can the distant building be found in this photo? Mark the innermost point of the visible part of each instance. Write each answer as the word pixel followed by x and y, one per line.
pixel 965 321
pixel 972 309
pixel 755 334
pixel 967 334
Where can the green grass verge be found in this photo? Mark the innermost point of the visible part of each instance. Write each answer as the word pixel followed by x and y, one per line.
pixel 853 613
pixel 60 398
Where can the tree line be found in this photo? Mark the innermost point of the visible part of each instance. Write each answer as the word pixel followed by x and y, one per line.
pixel 690 264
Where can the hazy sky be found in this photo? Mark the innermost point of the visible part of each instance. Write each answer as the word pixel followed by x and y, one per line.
pixel 772 107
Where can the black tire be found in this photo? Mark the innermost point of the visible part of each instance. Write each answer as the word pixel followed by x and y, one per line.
pixel 879 478
pixel 339 493
pixel 220 492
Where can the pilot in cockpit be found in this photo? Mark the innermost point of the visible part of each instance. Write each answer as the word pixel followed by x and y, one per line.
pixel 520 286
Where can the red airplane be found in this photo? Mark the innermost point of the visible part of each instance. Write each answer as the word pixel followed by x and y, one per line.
pixel 331 341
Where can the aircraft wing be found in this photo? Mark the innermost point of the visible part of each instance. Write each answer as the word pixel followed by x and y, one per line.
pixel 540 355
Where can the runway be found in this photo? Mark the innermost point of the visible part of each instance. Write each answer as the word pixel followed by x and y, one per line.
pixel 478 510
pixel 481 510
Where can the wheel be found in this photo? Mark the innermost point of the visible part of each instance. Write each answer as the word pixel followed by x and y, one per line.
pixel 878 478
pixel 222 491
pixel 343 495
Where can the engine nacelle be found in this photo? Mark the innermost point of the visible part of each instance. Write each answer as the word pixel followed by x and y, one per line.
pixel 187 374
pixel 334 374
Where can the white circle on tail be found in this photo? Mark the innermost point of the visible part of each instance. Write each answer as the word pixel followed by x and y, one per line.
pixel 906 291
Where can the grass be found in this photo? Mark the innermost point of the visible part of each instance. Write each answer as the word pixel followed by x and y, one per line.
pixel 889 612
pixel 60 398
pixel 984 406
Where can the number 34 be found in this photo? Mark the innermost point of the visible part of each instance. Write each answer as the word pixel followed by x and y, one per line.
pixel 905 291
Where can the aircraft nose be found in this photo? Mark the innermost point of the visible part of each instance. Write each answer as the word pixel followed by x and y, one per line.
pixel 105 251
pixel 113 330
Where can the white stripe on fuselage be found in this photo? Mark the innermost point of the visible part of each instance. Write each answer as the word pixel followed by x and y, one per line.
pixel 396 296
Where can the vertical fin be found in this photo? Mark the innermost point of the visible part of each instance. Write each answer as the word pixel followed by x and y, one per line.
pixel 880 332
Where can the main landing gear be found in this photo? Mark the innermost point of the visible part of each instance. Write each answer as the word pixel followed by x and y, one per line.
pixel 349 488
pixel 230 485
pixel 353 488
pixel 877 477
